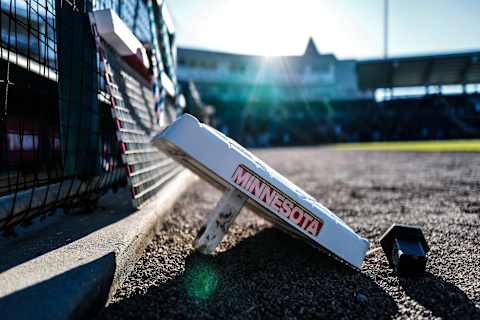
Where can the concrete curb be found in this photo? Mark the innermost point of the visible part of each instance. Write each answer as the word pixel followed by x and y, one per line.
pixel 70 268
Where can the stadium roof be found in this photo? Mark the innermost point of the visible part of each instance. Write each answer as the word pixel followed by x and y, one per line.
pixel 458 68
pixel 311 53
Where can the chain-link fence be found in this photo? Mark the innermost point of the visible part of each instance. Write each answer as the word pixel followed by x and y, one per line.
pixel 61 143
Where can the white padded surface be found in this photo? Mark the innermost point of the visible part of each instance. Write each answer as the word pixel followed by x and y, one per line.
pixel 116 33
pixel 113 30
pixel 222 156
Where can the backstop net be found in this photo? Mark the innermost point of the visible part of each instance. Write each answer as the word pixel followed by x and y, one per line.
pixel 63 143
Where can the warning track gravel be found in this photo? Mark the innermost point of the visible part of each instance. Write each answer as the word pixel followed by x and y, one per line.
pixel 260 272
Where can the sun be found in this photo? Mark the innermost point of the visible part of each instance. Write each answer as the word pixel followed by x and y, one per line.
pixel 268 28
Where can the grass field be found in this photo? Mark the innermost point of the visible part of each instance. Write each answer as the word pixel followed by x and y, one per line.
pixel 415 146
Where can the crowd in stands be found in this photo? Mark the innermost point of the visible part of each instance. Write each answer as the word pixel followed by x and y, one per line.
pixel 431 117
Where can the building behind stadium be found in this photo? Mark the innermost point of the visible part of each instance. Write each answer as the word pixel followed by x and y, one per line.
pixel 229 77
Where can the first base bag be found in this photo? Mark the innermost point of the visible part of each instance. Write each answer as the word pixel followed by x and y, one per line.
pixel 225 164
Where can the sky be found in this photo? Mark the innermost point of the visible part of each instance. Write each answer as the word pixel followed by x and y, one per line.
pixel 346 28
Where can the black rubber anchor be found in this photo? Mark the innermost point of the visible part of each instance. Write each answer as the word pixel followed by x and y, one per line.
pixel 406 249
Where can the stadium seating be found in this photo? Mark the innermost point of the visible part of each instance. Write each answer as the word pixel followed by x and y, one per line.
pixel 420 118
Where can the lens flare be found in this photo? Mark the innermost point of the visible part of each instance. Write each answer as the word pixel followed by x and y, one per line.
pixel 201 282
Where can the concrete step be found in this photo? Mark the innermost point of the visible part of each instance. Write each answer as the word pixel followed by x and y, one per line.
pixel 69 267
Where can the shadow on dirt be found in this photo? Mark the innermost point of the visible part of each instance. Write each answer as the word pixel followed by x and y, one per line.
pixel 269 275
pixel 438 296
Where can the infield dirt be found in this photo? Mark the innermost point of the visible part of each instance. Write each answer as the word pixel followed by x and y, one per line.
pixel 260 272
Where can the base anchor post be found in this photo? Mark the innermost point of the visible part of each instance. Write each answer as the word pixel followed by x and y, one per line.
pixel 221 218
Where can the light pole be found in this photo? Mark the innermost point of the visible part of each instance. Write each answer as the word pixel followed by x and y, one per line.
pixel 385 42
pixel 385 29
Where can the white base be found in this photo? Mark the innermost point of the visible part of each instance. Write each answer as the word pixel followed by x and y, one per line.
pixel 217 159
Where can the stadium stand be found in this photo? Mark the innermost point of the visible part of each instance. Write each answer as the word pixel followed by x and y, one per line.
pixel 267 122
pixel 447 69
pixel 429 117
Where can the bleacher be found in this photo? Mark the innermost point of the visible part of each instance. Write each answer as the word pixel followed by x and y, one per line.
pixel 420 118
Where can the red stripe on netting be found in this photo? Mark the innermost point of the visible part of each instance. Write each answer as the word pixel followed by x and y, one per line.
pixel 105 64
pixel 123 147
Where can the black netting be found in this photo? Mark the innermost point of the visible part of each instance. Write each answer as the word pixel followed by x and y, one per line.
pixel 59 144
